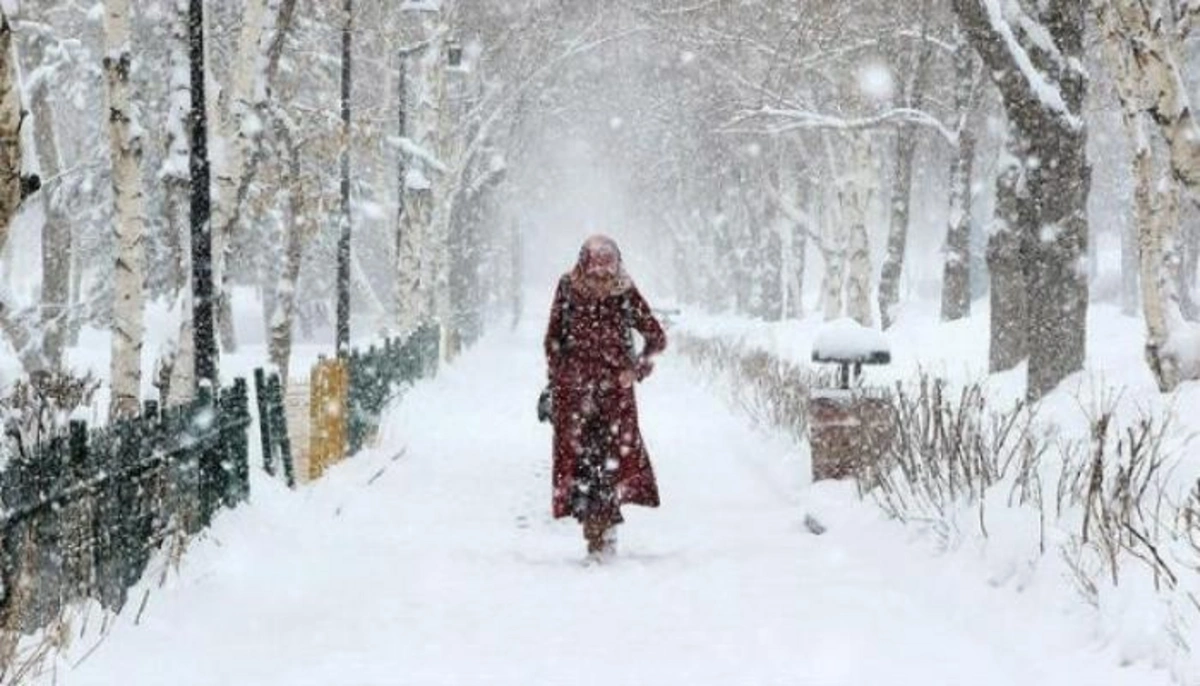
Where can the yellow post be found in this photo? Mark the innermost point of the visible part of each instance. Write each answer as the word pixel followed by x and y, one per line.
pixel 327 412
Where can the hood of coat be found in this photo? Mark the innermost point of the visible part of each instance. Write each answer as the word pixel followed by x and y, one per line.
pixel 600 272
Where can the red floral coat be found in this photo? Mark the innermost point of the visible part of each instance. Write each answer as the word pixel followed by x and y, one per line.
pixel 587 349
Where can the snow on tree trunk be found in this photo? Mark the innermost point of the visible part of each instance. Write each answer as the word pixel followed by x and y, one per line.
pixel 862 191
pixel 1007 344
pixel 10 132
pixel 125 136
pixel 956 280
pixel 1037 66
pixel 56 231
pixel 239 126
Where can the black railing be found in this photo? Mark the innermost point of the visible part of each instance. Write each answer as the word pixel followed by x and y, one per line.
pixel 379 373
pixel 83 511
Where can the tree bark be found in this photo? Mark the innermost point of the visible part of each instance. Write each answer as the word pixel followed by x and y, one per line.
pixel 201 207
pixel 56 230
pixel 1043 96
pixel 1007 343
pixel 343 249
pixel 126 147
pixel 956 281
pixel 237 122
pixel 901 201
pixel 10 132
pixel 858 275
pixel 299 231
pixel 418 266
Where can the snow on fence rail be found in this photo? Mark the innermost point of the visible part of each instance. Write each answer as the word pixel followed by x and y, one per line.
pixel 83 511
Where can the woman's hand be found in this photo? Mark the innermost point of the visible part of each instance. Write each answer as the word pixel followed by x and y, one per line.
pixel 643 368
pixel 626 378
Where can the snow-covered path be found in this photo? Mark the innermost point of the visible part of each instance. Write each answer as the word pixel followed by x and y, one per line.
pixel 432 560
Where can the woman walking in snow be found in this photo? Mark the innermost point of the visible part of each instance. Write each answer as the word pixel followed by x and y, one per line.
pixel 600 462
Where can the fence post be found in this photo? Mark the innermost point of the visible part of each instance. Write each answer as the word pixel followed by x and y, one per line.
pixel 79 560
pixel 204 417
pixel 239 449
pixel 278 422
pixel 264 421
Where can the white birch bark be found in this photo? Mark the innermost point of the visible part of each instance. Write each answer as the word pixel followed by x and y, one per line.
pixel 1144 79
pixel 176 179
pixel 238 131
pixel 1140 29
pixel 833 253
pixel 56 230
pixel 10 132
pixel 183 366
pixel 125 137
pixel 417 265
pixel 299 232
pixel 862 189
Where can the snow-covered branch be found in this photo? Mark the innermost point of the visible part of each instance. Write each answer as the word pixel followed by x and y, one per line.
pixel 795 120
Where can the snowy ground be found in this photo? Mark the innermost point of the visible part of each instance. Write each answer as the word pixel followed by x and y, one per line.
pixel 432 560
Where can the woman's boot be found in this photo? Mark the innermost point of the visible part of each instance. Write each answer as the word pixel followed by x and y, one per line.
pixel 593 532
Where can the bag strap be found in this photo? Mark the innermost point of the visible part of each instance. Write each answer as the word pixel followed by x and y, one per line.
pixel 564 334
pixel 627 320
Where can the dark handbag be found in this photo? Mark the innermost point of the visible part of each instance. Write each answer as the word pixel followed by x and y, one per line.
pixel 545 405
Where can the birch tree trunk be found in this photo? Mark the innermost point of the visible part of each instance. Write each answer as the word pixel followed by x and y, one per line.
pixel 901 201
pixel 833 252
pixel 1158 218
pixel 126 147
pixel 299 230
pixel 1156 210
pixel 793 239
pixel 862 192
pixel 56 231
pixel 175 179
pixel 10 132
pixel 956 281
pixel 239 127
pixel 417 268
pixel 182 385
pixel 1152 51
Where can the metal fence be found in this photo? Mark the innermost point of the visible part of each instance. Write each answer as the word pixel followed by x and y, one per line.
pixel 345 399
pixel 81 513
pixel 377 374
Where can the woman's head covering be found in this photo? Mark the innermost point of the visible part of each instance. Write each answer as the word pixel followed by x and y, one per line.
pixel 600 269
